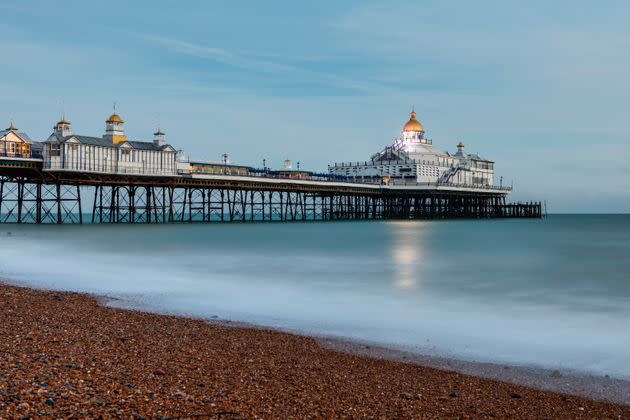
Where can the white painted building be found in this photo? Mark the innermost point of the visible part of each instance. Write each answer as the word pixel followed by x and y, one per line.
pixel 412 158
pixel 111 153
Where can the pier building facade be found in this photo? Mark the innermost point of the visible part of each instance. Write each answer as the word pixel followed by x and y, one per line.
pixel 119 180
pixel 112 153
pixel 14 143
pixel 412 158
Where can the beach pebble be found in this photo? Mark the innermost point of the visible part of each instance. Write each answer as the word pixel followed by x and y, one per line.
pixel 99 401
pixel 23 406
pixel 180 365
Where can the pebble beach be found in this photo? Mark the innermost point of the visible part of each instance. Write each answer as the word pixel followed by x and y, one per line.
pixel 64 355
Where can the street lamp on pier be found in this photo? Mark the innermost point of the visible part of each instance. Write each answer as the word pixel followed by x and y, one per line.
pixel 225 161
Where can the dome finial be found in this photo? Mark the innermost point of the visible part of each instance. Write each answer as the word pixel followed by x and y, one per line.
pixel 115 118
pixel 413 124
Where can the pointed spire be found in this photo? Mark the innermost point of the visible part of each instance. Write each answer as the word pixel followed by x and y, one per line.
pixel 158 133
pixel 11 127
pixel 413 112
pixel 63 120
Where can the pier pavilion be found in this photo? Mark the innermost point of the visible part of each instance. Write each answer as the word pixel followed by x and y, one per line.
pixel 14 143
pixel 111 153
pixel 412 158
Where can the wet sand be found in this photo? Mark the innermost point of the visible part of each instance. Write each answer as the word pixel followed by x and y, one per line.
pixel 64 355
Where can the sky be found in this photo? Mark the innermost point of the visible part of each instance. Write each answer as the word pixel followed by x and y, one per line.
pixel 541 88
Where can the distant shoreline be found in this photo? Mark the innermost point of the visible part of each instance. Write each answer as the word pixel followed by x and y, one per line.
pixel 65 354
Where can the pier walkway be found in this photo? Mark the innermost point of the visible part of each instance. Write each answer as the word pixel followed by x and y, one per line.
pixel 29 194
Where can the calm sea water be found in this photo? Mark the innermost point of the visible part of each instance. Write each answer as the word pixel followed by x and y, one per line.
pixel 552 293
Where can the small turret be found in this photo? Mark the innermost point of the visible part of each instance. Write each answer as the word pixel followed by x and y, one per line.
pixel 180 156
pixel 115 128
pixel 62 128
pixel 158 138
pixel 460 149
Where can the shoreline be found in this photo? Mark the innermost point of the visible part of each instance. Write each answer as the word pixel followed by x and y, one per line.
pixel 561 380
pixel 64 353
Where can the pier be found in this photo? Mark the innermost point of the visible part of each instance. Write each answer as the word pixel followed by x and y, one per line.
pixel 28 194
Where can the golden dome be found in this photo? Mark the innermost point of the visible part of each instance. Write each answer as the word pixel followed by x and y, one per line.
pixel 413 124
pixel 114 118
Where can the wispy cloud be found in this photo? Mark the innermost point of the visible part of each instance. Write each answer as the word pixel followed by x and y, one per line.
pixel 524 44
pixel 254 64
pixel 219 55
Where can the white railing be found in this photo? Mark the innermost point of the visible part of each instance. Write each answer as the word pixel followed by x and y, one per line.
pixel 109 169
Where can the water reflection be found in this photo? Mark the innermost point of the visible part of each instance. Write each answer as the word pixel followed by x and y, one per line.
pixel 406 252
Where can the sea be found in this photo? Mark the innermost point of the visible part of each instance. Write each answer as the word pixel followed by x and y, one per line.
pixel 551 293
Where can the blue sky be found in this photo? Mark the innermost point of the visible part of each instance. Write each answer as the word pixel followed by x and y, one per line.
pixel 540 87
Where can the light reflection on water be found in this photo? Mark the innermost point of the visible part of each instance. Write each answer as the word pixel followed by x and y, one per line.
pixel 406 253
pixel 552 292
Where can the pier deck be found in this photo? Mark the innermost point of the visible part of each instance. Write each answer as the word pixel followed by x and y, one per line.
pixel 30 195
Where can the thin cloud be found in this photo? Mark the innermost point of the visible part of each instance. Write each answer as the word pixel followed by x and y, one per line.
pixel 219 55
pixel 248 63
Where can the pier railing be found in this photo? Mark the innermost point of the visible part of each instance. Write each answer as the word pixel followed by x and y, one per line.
pixel 30 195
pixel 256 173
pixel 281 175
pixel 450 184
pixel 31 155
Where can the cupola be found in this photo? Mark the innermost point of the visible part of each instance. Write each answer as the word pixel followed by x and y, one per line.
pixel 158 138
pixel 115 129
pixel 62 128
pixel 460 149
pixel 413 124
pixel 413 131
